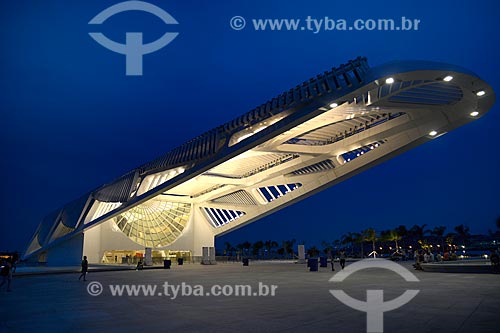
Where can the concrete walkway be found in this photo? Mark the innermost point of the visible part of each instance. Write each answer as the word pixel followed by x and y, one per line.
pixel 47 270
pixel 460 266
pixel 446 302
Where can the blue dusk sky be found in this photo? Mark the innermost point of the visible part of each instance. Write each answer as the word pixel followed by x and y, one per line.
pixel 72 120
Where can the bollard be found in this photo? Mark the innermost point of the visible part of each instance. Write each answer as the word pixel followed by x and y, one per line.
pixel 323 262
pixel 313 264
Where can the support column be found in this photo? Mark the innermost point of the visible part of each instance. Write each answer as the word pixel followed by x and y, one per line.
pixel 203 234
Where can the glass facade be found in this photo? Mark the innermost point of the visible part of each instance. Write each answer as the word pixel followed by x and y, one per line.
pixel 155 223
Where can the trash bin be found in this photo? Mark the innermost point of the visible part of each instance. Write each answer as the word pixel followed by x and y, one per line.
pixel 245 261
pixel 167 263
pixel 323 262
pixel 180 261
pixel 313 264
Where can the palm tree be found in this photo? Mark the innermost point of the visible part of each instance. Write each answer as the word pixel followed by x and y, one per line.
pixel 359 239
pixel 269 245
pixel 370 235
pixel 257 246
pixel 349 238
pixel 463 232
pixel 312 252
pixel 438 232
pixel 449 238
pixel 418 232
pixel 403 232
pixel 384 237
pixel 393 236
pixel 228 248
pixel 240 250
pixel 327 247
pixel 246 246
pixel 288 246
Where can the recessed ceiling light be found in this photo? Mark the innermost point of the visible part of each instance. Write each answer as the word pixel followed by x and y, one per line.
pixel 389 80
pixel 481 93
pixel 433 133
pixel 448 78
pixel 474 113
pixel 333 105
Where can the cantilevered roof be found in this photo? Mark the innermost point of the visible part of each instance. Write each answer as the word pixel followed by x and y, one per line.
pixel 310 137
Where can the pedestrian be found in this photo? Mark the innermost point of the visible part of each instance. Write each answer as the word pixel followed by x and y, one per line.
pixel 85 269
pixel 403 255
pixel 6 273
pixel 342 259
pixel 446 255
pixel 495 261
pixel 333 260
pixel 14 261
pixel 140 265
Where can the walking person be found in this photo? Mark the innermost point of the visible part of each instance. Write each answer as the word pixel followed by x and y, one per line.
pixel 495 262
pixel 140 265
pixel 85 269
pixel 342 259
pixel 6 273
pixel 14 261
pixel 333 260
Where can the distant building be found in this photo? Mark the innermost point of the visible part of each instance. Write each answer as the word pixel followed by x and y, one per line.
pixel 313 136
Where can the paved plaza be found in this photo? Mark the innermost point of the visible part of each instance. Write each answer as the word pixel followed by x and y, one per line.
pixel 447 302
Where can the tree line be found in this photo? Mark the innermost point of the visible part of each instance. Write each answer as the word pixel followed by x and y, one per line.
pixel 361 243
pixel 265 249
pixel 402 238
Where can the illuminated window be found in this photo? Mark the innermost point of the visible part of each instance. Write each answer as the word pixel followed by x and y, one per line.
pixel 219 217
pixel 353 154
pixel 155 223
pixel 156 179
pixel 271 193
